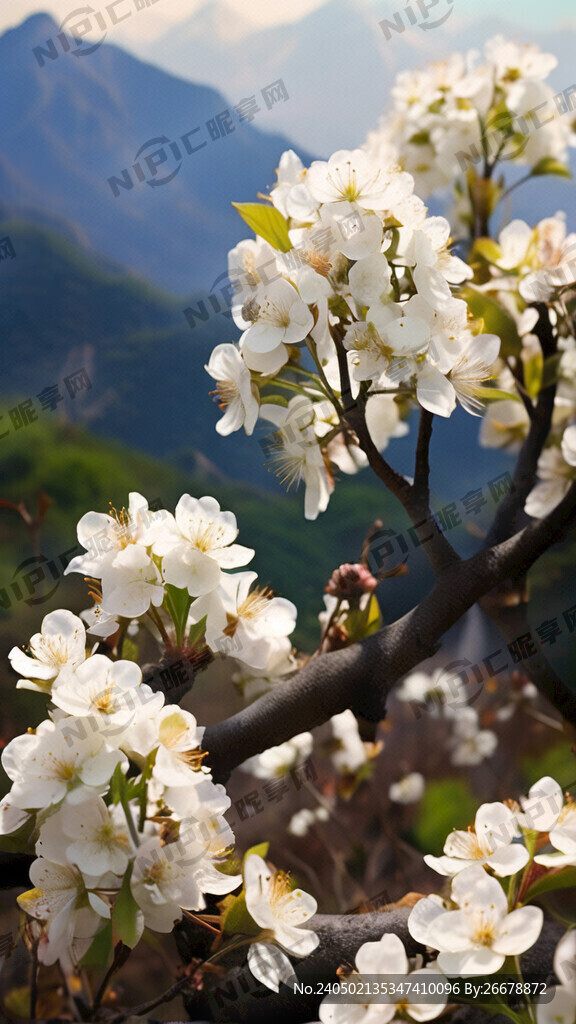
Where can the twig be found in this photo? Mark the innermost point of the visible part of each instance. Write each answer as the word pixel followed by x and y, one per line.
pixel 138 1011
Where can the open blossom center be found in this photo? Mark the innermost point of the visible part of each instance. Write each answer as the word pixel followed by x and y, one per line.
pixel 318 261
pixel 104 701
pixel 206 536
pixel 280 887
pixel 254 603
pixel 123 528
pixel 192 758
pixel 484 931
pixel 63 770
pixel 226 391
pixel 275 313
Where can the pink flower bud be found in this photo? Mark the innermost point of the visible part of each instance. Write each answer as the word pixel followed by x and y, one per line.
pixel 351 580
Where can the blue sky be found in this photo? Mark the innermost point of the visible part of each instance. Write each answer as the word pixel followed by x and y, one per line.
pixel 167 13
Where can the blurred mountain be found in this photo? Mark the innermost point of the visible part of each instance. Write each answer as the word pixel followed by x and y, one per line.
pixel 337 59
pixel 63 311
pixel 125 157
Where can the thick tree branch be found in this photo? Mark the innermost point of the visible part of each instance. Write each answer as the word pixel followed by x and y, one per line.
pixel 361 676
pixel 239 997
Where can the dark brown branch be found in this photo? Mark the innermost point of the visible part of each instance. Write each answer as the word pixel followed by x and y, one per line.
pixel 421 488
pixel 413 498
pixel 506 519
pixel 239 997
pixel 361 676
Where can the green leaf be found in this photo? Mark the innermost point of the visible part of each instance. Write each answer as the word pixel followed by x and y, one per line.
pixel 488 249
pixel 267 222
pixel 129 650
pixel 533 368
pixel 565 878
pixel 177 603
pixel 420 139
pixel 274 400
pixel 261 850
pixel 127 917
pixel 117 785
pixel 488 394
pixel 197 631
pixel 548 165
pixel 496 319
pixel 237 920
pixel 362 623
pixel 100 952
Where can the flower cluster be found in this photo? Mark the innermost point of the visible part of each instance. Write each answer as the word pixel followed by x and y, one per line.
pixel 444 695
pixel 111 793
pixel 483 924
pixel 529 266
pixel 345 296
pixel 171 572
pixel 463 115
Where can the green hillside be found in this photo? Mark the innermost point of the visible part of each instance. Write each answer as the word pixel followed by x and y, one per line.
pixel 80 472
pixel 62 310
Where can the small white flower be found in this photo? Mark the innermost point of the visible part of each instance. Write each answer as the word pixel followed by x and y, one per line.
pixel 489 843
pixel 354 176
pixel 302 821
pixel 48 766
pixel 437 694
pixel 383 959
pixel 93 836
pixel 296 454
pixel 504 425
pixel 277 908
pixel 131 583
pixel 101 688
pixel 477 938
pixel 274 316
pixel 60 644
pixel 555 477
pixel 198 543
pixel 541 808
pixel 470 744
pixel 278 761
pixel 243 622
pixel 236 395
pixel 177 737
pixel 71 913
pixel 105 536
pixel 348 753
pixel 291 195
pixel 168 879
pixel 408 790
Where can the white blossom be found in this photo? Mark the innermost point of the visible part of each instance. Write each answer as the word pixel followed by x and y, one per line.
pixel 490 843
pixel 476 938
pixel 60 644
pixel 236 394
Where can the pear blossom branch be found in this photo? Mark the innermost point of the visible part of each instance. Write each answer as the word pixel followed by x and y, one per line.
pixel 341 936
pixel 360 677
